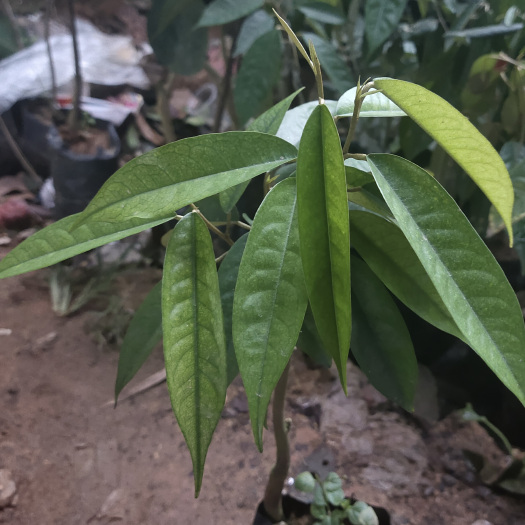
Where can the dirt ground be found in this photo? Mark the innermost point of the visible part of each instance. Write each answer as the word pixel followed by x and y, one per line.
pixel 76 461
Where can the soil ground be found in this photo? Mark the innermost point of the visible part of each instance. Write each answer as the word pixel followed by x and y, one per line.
pixel 76 461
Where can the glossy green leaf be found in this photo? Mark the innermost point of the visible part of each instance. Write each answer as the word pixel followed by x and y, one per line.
pixel 335 67
pixel 270 300
pixel 194 343
pixel 324 232
pixel 381 19
pixel 294 121
pixel 228 272
pixel 461 140
pixel 221 12
pixel 161 181
pixel 176 42
pixel 374 105
pixel 142 335
pixel 364 200
pixel 467 277
pixel 257 76
pixel 323 13
pixel 381 342
pixel 268 122
pixel 254 26
pixel 57 242
pixel 388 253
pixel 357 172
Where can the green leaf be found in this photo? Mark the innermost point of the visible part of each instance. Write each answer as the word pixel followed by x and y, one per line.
pixel 388 253
pixel 270 300
pixel 268 122
pixel 323 13
pixel 466 275
pixel 334 66
pixel 168 178
pixel 324 233
pixel 333 489
pixel 194 344
pixel 484 32
pixel 221 12
pixel 172 34
pixel 381 19
pixel 254 26
pixel 461 140
pixel 294 121
pixel 374 105
pixel 310 342
pixel 305 482
pixel 357 173
pixel 143 334
pixel 57 242
pixel 257 76
pixel 381 343
pixel 368 201
pixel 228 272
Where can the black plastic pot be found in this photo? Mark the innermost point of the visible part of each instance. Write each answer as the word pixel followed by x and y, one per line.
pixel 78 177
pixel 298 508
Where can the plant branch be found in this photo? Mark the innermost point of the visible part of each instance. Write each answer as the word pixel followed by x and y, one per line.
pixel 47 23
pixel 213 228
pixel 18 153
pixel 74 120
pixel 272 502
pixel 359 97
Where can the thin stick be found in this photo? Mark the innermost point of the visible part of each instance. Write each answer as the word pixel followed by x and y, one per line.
pixel 47 23
pixel 18 153
pixel 74 121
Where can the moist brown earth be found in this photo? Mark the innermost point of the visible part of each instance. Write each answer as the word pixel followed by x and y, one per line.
pixel 76 460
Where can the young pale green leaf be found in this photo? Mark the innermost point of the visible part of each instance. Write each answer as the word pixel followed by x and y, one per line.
pixel 268 122
pixel 194 343
pixel 176 42
pixel 322 211
pixel 270 300
pixel 459 138
pixel 374 105
pixel 221 12
pixel 467 277
pixel 334 66
pixel 161 181
pixel 144 332
pixel 388 253
pixel 380 340
pixel 57 242
pixel 257 76
pixel 228 273
pixel 381 19
pixel 254 26
pixel 294 121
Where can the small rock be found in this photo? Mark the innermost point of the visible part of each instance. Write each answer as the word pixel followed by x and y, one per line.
pixel 482 522
pixel 7 488
pixel 448 480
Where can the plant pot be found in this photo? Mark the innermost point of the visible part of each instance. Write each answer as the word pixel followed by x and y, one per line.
pixel 78 176
pixel 298 509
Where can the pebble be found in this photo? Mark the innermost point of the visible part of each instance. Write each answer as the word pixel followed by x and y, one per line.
pixel 7 488
pixel 482 522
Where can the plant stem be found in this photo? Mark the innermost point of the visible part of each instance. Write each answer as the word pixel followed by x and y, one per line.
pixel 18 153
pixel 359 96
pixel 273 502
pixel 47 23
pixel 227 239
pixel 74 120
pixel 163 107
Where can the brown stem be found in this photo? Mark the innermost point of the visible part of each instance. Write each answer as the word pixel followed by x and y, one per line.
pixel 225 88
pixel 74 120
pixel 18 153
pixel 163 105
pixel 273 501
pixel 47 23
